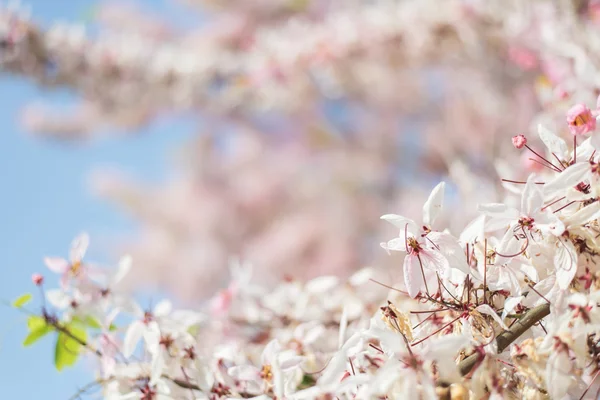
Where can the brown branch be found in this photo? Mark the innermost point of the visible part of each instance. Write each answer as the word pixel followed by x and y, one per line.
pixel 503 340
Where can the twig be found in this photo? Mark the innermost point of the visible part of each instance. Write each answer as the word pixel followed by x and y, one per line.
pixel 504 339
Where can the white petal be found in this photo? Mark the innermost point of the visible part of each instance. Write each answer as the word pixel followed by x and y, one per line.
pixel 158 366
pixel 585 215
pixel 565 261
pixel 322 284
pixel 486 309
pixel 433 205
pixel 58 298
pixel 554 144
pixel 270 352
pixel 244 373
pixel 558 374
pixel 132 337
pixel 151 335
pixel 401 222
pixel 79 247
pixel 510 304
pixel 568 178
pixel 434 260
pixel 531 198
pixel 163 308
pixel 122 270
pixel 474 231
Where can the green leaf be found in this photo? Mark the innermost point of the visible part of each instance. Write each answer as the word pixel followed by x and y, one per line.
pixel 22 300
pixel 88 321
pixel 37 333
pixel 34 322
pixel 67 348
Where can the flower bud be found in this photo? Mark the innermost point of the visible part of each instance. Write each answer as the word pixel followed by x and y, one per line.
pixel 519 141
pixel 37 279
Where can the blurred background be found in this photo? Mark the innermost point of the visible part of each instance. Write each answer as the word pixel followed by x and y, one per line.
pixel 190 132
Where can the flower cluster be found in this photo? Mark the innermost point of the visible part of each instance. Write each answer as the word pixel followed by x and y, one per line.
pixel 507 307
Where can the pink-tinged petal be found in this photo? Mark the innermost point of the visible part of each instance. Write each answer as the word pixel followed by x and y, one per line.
pixel 433 205
pixel 57 264
pixel 413 279
pixel 487 310
pixel 567 179
pixel 133 335
pixel 79 247
pixel 434 260
pixel 531 198
pixel 580 120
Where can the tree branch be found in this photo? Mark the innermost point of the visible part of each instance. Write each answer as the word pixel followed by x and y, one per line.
pixel 503 340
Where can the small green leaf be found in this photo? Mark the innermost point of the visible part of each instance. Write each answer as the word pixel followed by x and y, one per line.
pixel 34 323
pixel 22 300
pixel 36 334
pixel 88 321
pixel 112 327
pixel 67 348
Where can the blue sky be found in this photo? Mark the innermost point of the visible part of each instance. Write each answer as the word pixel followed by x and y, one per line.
pixel 45 202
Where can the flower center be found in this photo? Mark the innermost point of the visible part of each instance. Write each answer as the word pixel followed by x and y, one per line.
pixel 413 245
pixel 266 373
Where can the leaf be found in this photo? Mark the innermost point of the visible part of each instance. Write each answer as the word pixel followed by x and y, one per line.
pixel 38 328
pixel 22 300
pixel 34 322
pixel 88 321
pixel 67 348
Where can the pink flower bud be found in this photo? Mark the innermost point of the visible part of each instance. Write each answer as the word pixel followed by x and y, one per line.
pixel 580 120
pixel 37 279
pixel 519 141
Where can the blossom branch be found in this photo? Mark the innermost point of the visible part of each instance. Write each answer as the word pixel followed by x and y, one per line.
pixel 503 340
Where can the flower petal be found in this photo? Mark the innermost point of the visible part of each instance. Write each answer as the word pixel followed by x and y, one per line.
pixel 433 205
pixel 57 264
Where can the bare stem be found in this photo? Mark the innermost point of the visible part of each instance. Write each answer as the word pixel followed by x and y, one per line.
pixel 508 336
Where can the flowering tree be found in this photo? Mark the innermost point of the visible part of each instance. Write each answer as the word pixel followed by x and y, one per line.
pixel 497 298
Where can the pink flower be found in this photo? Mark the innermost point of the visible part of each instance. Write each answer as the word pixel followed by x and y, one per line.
pixel 580 120
pixel 37 279
pixel 73 267
pixel 519 141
